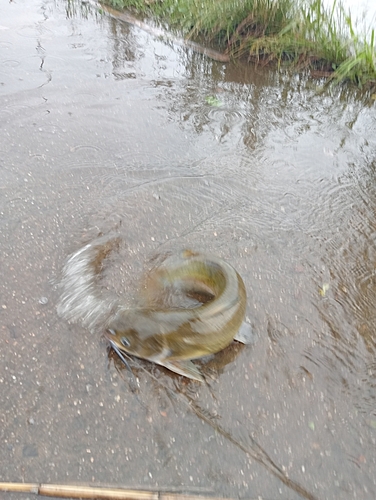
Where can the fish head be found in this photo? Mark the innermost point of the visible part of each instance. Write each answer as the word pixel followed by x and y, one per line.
pixel 125 340
pixel 135 331
pixel 122 333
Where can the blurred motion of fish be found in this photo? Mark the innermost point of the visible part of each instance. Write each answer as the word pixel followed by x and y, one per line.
pixel 206 318
pixel 81 300
pixel 173 336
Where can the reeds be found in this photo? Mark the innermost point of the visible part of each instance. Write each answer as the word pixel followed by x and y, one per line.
pixel 303 33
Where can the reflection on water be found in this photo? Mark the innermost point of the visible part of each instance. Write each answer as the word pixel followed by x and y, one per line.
pixel 116 130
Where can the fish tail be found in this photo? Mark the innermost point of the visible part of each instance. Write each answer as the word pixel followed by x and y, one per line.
pixel 81 300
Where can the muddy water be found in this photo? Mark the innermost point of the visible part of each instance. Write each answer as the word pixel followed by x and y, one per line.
pixel 104 128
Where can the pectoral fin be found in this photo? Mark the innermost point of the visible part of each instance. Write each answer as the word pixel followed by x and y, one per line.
pixel 185 368
pixel 245 335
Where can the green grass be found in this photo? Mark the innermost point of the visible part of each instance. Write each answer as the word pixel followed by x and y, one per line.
pixel 303 33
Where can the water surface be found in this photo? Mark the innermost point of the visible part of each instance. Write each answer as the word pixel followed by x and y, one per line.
pixel 104 128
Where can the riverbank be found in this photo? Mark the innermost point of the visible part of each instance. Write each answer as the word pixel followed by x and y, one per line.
pixel 306 36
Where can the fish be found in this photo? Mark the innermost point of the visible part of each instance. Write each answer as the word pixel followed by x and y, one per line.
pixel 173 336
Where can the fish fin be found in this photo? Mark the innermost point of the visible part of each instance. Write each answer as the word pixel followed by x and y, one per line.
pixel 245 335
pixel 185 368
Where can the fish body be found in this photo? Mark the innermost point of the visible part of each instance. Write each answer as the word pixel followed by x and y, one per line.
pixel 193 304
pixel 173 336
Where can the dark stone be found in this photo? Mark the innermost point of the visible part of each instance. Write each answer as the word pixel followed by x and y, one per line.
pixel 30 450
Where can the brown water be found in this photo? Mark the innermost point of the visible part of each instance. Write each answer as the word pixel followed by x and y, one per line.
pixel 105 128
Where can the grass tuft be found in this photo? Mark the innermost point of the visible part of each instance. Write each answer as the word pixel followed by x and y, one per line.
pixel 304 33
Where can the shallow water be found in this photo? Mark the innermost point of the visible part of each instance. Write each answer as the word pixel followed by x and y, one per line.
pixel 104 128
